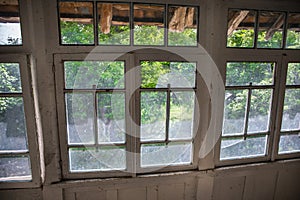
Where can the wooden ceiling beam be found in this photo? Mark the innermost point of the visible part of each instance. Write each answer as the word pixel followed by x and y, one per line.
pixel 277 25
pixel 235 21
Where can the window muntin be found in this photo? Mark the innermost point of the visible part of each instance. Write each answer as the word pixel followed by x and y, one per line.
pixel 14 151
pixel 127 24
pixel 247 109
pixel 10 25
pixel 293 31
pixel 290 126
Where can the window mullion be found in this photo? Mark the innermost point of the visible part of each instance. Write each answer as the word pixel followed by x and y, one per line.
pixel 248 104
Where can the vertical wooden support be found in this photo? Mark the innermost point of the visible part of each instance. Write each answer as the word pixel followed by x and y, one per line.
pixel 106 17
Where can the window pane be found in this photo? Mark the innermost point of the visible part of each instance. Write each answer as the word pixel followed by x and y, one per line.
pixel 87 74
pixel 270 29
pixel 259 111
pixel 293 31
pixel 240 148
pixel 76 23
pixel 293 74
pixel 289 143
pixel 181 115
pixel 153 115
pixel 291 110
pixel 241 25
pixel 244 73
pixel 10 26
pixel 160 74
pixel 234 111
pixel 10 80
pixel 111 117
pixel 162 154
pixel 101 159
pixel 114 27
pixel 80 118
pixel 182 26
pixel 12 124
pixel 15 167
pixel 149 24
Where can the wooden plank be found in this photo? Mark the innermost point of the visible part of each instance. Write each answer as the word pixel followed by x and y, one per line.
pixel 171 191
pixel 205 188
pixel 235 21
pixel 189 19
pixel 229 187
pixel 112 195
pixel 132 194
pixel 106 17
pixel 177 22
pixel 152 192
pixel 91 195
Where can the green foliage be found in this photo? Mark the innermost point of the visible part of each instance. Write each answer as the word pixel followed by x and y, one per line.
pixel 76 33
pixel 148 35
pixel 186 38
pixel 293 39
pixel 274 42
pixel 119 35
pixel 241 38
pixel 152 71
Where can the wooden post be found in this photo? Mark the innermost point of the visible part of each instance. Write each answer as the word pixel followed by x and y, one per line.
pixel 189 20
pixel 106 17
pixel 177 22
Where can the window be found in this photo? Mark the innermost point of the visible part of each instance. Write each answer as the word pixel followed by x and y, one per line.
pixel 248 99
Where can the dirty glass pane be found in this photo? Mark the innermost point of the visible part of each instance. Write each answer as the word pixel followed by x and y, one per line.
pixel 293 74
pixel 181 115
pixel 259 114
pixel 153 115
pixel 293 31
pixel 12 124
pixel 149 24
pixel 289 143
pixel 162 154
pixel 76 23
pixel 270 29
pixel 10 80
pixel 10 26
pixel 17 168
pixel 244 73
pixel 291 110
pixel 111 117
pixel 182 26
pixel 114 27
pixel 80 118
pixel 101 159
pixel 240 25
pixel 234 112
pixel 90 74
pixel 157 74
pixel 235 148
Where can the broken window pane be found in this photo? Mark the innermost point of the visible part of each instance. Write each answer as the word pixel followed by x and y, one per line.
pixel 293 31
pixel 76 23
pixel 270 29
pixel 289 143
pixel 166 154
pixel 182 26
pixel 10 26
pixel 240 31
pixel 149 24
pixel 114 27
pixel 15 168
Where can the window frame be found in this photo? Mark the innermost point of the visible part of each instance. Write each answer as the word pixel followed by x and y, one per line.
pixel 31 127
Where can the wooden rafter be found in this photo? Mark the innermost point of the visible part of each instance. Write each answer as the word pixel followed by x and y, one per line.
pixel 235 21
pixel 277 25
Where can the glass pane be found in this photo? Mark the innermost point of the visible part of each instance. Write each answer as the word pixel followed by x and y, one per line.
pixel 10 80
pixel 293 74
pixel 162 154
pixel 259 111
pixel 76 23
pixel 270 29
pixel 234 111
pixel 114 27
pixel 87 74
pixel 291 110
pixel 101 159
pixel 239 148
pixel 12 124
pixel 18 168
pixel 159 74
pixel 80 118
pixel 241 25
pixel 149 24
pixel 153 115
pixel 293 31
pixel 10 26
pixel 111 117
pixel 181 115
pixel 289 143
pixel 182 26
pixel 244 73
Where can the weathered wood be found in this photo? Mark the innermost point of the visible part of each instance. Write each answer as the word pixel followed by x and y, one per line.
pixel 106 17
pixel 189 20
pixel 277 25
pixel 177 22
pixel 9 2
pixel 235 21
